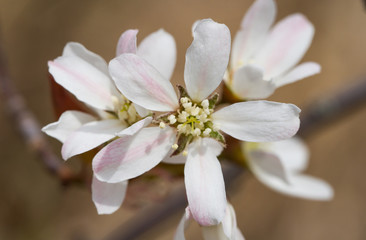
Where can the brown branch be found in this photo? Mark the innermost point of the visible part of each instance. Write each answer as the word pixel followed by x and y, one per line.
pixel 332 109
pixel 28 126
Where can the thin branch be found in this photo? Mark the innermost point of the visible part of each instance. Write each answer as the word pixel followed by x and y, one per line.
pixel 332 109
pixel 28 126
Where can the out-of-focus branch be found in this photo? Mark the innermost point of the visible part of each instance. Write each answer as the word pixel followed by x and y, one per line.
pixel 28 126
pixel 332 109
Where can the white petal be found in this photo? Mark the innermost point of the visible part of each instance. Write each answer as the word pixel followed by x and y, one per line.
pixel 183 225
pixel 248 83
pixel 301 186
pixel 265 163
pixel 206 59
pixel 258 121
pixel 204 184
pixel 142 83
pixel 89 136
pixel 108 197
pixel 296 185
pixel 229 224
pixel 160 51
pixel 131 156
pixel 74 49
pixel 292 152
pixel 143 112
pixel 301 71
pixel 253 31
pixel 68 122
pixel 127 42
pixel 214 232
pixel 286 45
pixel 85 75
pixel 134 128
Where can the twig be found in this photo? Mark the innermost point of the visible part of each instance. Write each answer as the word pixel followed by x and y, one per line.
pixel 332 109
pixel 28 126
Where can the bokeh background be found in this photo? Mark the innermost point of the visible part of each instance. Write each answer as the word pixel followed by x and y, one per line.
pixel 33 204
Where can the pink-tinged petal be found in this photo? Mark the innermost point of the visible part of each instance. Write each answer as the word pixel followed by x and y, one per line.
pixel 296 185
pixel 127 42
pixel 206 59
pixel 258 121
pixel 253 31
pixel 160 51
pixel 301 71
pixel 142 83
pixel 131 156
pixel 90 136
pixel 292 152
pixel 143 112
pixel 248 83
pixel 68 122
pixel 108 197
pixel 85 75
pixel 285 45
pixel 134 128
pixel 204 184
pixel 183 225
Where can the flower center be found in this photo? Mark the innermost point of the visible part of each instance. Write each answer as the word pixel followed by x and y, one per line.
pixel 125 111
pixel 192 120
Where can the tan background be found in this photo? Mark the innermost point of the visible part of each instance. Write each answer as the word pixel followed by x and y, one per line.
pixel 34 206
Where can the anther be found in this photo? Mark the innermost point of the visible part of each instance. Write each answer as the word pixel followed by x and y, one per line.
pixel 162 125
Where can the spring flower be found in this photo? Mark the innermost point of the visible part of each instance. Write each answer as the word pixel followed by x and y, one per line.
pixel 278 165
pixel 87 77
pixel 190 130
pixel 225 230
pixel 264 57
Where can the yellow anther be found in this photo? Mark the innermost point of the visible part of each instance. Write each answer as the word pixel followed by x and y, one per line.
pixel 185 153
pixel 175 146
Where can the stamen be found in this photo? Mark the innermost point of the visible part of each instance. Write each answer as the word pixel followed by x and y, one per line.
pixel 175 146
pixel 162 125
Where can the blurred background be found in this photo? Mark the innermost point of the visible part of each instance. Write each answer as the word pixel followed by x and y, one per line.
pixel 34 205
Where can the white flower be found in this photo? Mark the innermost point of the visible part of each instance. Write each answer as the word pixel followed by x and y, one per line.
pixel 206 61
pixel 264 57
pixel 225 230
pixel 86 75
pixel 278 165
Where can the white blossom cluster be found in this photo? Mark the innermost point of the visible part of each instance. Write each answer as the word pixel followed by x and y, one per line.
pixel 139 121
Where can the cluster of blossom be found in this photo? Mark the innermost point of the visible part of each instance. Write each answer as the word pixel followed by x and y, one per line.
pixel 140 121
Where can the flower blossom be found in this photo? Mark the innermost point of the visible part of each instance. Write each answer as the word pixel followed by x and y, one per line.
pixel 264 57
pixel 225 230
pixel 278 166
pixel 190 130
pixel 87 77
